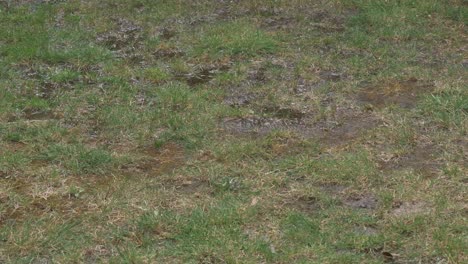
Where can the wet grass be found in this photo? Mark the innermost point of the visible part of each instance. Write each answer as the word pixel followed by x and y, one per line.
pixel 247 132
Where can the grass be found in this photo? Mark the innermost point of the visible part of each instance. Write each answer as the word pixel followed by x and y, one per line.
pixel 248 132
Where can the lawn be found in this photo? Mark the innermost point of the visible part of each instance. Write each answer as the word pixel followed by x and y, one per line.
pixel 171 131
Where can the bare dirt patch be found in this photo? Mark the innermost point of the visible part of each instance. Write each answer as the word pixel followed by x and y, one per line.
pixel 367 201
pixel 39 201
pixel 125 40
pixel 167 33
pixel 284 112
pixel 401 209
pixel 240 100
pixel 305 204
pixel 344 129
pixel 333 189
pixel 345 126
pixel 259 125
pixel 279 22
pixel 156 161
pixel 331 76
pixel 422 159
pixel 165 52
pixel 202 73
pixel 38 115
pixel 188 186
pixel 302 86
pixel 402 93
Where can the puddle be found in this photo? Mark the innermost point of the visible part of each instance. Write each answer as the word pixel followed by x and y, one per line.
pixel 402 93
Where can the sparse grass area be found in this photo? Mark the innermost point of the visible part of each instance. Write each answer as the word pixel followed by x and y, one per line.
pixel 293 131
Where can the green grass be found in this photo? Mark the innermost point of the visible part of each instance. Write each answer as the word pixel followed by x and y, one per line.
pixel 233 38
pixel 247 132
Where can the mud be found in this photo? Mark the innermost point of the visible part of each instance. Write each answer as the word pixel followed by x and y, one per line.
pixel 168 53
pixel 363 202
pixel 279 22
pixel 167 33
pixel 305 204
pixel 259 125
pixel 124 41
pixel 257 75
pixel 284 112
pixel 422 159
pixel 155 161
pixel 40 206
pixel 402 93
pixel 202 74
pixel 304 86
pixel 346 126
pixel 240 100
pixel 46 91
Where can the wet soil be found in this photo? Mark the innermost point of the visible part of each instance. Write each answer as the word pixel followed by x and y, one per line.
pixel 402 93
pixel 52 199
pixel 302 86
pixel 240 100
pixel 344 127
pixel 422 159
pixel 202 74
pixel 259 125
pixel 164 52
pixel 368 201
pixel 124 40
pixel 284 112
pixel 167 33
pixel 156 161
pixel 305 204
